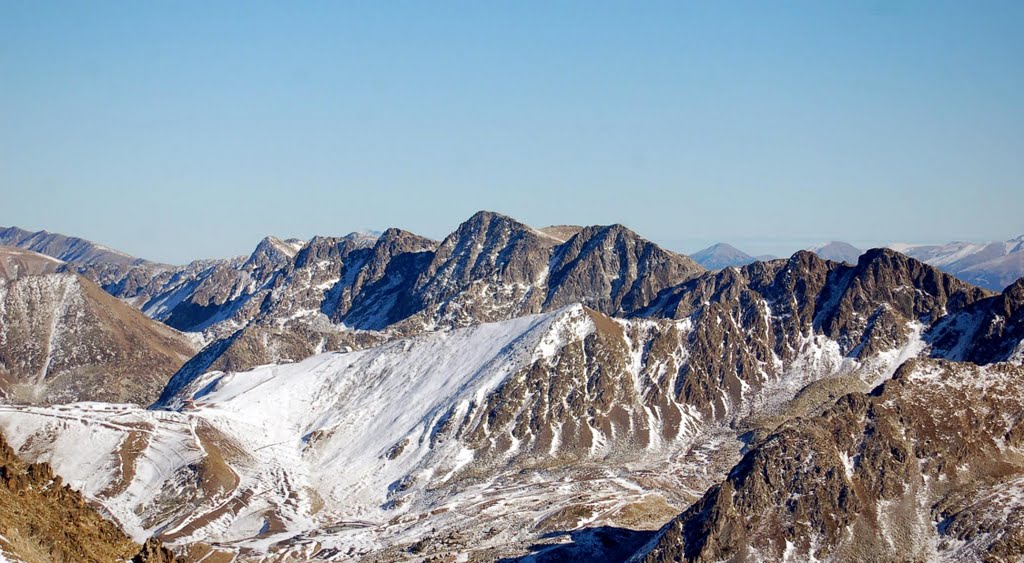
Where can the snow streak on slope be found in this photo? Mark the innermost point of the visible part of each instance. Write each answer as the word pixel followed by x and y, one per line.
pixel 502 431
pixel 296 436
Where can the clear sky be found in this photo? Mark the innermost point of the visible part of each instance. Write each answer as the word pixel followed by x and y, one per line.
pixel 178 130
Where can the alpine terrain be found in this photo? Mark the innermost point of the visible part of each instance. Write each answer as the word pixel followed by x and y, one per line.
pixel 554 394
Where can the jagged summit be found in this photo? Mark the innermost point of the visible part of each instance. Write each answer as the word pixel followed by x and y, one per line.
pixel 273 252
pixel 371 399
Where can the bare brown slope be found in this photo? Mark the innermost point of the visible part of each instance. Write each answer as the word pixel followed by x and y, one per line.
pixel 16 262
pixel 45 521
pixel 63 339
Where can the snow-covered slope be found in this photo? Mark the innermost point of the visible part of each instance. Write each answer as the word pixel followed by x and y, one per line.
pixel 500 432
pixel 992 265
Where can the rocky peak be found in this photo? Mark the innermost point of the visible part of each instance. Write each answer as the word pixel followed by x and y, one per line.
pixel 391 243
pixel 489 246
pixel 321 248
pixel 380 288
pixel 272 253
pixel 614 270
pixel 911 471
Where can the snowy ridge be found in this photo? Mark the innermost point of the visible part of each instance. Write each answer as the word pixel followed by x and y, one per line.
pixel 333 448
pixel 320 428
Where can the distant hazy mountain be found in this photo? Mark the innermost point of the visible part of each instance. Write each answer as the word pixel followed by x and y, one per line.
pixel 837 251
pixel 722 255
pixel 69 249
pixel 992 265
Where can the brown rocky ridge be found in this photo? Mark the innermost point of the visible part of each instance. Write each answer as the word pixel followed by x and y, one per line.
pixel 42 520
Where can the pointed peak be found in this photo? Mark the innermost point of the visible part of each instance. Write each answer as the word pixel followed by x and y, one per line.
pixel 271 244
pixel 484 216
pixel 483 222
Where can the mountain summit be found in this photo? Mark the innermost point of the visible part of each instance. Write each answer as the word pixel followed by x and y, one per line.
pixel 722 255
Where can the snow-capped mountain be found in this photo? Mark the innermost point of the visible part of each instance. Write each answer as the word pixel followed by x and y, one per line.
pixel 340 294
pixel 492 439
pixel 722 255
pixel 992 265
pixel 385 396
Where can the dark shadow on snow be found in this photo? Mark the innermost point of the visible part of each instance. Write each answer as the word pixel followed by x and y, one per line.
pixel 599 544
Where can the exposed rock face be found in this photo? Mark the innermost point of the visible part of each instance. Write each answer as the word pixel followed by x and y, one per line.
pixel 409 429
pixel 613 270
pixel 491 268
pixel 754 325
pixel 988 331
pixel 926 467
pixel 63 339
pixel 43 520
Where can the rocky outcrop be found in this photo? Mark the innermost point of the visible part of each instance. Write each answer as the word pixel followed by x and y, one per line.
pixel 989 330
pixel 927 466
pixel 752 325
pixel 43 520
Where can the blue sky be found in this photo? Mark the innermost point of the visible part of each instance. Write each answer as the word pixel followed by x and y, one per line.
pixel 178 130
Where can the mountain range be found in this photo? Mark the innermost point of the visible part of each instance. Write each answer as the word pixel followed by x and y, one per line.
pixel 563 393
pixel 992 265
